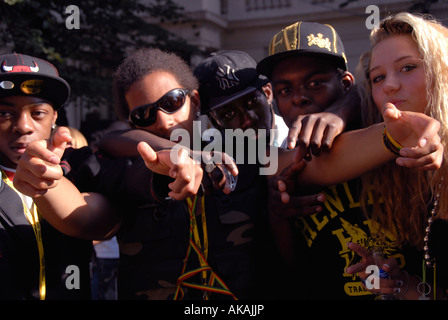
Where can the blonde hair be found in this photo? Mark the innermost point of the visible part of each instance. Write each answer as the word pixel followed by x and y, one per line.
pixel 407 193
pixel 78 139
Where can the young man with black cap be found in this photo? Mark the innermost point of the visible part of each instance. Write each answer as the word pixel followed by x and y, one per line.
pixel 234 96
pixel 308 70
pixel 33 255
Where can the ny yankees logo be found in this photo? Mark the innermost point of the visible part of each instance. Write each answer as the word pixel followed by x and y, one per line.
pixel 227 78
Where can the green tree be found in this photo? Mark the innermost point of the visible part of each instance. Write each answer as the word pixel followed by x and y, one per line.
pixel 86 57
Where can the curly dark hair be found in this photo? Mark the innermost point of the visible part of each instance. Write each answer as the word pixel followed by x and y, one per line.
pixel 143 62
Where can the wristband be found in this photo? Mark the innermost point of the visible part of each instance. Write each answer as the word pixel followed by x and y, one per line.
pixel 390 143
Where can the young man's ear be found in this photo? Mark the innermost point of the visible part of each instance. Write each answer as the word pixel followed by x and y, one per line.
pixel 195 101
pixel 348 80
pixel 267 89
pixel 55 117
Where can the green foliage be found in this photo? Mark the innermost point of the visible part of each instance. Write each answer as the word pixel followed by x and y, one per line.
pixel 86 57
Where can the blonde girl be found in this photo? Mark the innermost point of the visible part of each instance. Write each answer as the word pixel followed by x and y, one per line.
pixel 407 193
pixel 407 66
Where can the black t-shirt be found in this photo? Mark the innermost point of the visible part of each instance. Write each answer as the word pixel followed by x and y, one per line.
pixel 19 258
pixel 155 231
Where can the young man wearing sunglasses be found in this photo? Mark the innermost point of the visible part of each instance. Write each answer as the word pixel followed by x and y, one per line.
pixel 230 218
pixel 146 115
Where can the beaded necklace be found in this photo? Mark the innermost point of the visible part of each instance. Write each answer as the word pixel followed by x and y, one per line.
pixel 428 261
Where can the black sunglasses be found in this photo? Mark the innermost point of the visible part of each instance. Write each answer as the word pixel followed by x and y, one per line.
pixel 170 102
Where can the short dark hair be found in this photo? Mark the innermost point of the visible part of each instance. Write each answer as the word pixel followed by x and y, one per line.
pixel 142 62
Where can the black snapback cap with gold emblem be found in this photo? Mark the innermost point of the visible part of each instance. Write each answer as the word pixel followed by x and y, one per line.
pixel 23 75
pixel 304 38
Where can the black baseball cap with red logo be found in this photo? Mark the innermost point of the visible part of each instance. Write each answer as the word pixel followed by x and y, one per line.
pixel 23 75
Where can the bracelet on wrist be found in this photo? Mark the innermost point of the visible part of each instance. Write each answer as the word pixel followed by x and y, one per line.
pixel 390 143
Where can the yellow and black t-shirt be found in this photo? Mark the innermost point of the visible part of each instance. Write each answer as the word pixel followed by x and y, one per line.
pixel 324 237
